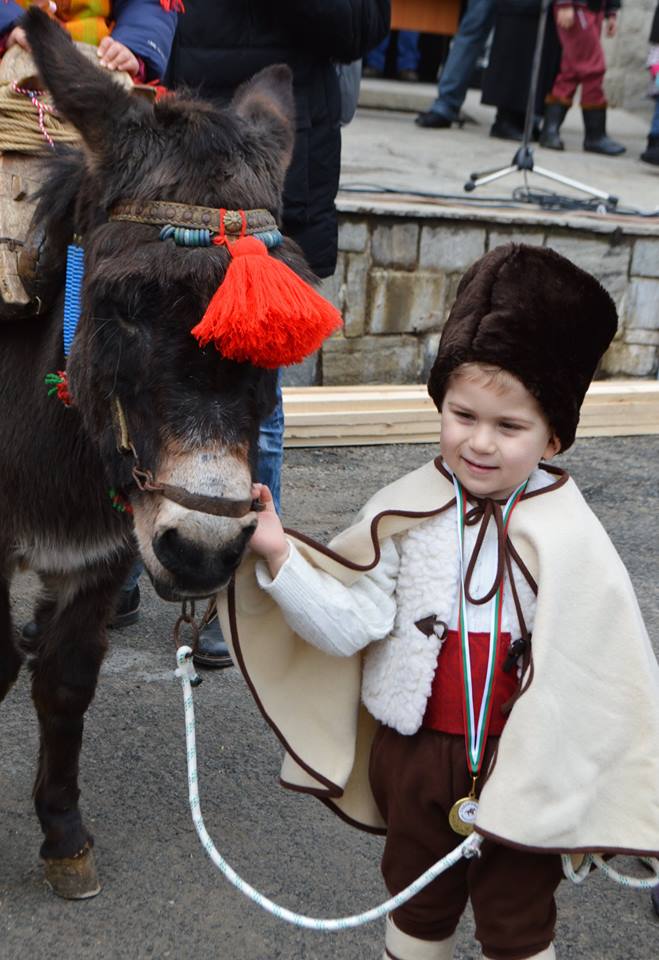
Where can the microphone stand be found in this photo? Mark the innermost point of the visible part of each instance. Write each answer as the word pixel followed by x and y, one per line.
pixel 523 159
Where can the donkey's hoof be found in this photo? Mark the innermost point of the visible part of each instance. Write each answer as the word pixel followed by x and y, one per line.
pixel 74 878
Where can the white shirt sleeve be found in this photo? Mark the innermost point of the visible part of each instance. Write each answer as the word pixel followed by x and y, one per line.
pixel 337 619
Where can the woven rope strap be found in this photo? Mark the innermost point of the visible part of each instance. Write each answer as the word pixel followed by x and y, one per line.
pixel 159 213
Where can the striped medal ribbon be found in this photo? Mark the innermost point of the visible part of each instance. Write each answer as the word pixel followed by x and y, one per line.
pixel 462 815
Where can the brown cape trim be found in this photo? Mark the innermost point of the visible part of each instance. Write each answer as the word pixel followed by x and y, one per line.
pixel 377 831
pixel 614 851
pixel 333 789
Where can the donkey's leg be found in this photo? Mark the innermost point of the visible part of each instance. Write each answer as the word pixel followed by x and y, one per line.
pixel 10 659
pixel 65 670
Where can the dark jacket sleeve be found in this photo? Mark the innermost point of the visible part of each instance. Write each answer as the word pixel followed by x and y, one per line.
pixel 148 30
pixel 9 14
pixel 654 32
pixel 342 30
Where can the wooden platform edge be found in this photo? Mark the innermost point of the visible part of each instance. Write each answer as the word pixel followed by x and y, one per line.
pixel 367 414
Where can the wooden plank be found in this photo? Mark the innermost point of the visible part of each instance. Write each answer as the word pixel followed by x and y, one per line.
pixel 426 16
pixel 366 415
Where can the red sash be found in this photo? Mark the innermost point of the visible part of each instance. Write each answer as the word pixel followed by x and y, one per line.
pixel 445 708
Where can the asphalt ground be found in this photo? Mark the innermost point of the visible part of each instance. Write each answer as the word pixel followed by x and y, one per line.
pixel 161 895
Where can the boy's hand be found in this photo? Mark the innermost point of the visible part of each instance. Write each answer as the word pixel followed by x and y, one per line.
pixel 269 540
pixel 611 25
pixel 115 56
pixel 565 17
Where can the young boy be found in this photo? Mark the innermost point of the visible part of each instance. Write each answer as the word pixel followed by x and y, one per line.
pixel 131 35
pixel 482 616
pixel 579 26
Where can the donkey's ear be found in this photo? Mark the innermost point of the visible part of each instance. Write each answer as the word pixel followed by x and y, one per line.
pixel 266 101
pixel 85 94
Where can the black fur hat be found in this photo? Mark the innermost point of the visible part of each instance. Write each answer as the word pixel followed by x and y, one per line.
pixel 532 312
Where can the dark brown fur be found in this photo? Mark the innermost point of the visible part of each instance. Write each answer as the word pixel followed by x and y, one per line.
pixel 141 299
pixel 532 312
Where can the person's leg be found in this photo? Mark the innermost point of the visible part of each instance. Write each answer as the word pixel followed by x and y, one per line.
pixel 127 607
pixel 407 55
pixel 375 59
pixel 415 780
pixel 467 46
pixel 271 449
pixel 651 155
pixel 512 894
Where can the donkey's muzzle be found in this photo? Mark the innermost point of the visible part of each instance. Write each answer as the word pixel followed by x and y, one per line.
pixel 194 569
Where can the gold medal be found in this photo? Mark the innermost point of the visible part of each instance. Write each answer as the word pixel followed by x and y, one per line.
pixel 462 815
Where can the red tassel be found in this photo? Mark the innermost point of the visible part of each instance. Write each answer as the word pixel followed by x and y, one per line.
pixel 263 312
pixel 175 5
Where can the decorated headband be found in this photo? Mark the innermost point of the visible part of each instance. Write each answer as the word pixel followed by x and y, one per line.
pixel 262 312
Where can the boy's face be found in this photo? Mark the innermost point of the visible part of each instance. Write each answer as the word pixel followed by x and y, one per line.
pixel 493 433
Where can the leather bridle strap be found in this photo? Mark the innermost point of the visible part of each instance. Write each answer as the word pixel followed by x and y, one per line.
pixel 158 213
pixel 217 506
pixel 147 483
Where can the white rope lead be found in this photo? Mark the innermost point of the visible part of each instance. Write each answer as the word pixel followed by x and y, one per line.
pixel 468 848
pixel 594 859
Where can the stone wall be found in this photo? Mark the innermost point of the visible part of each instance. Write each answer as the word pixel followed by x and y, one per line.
pixel 627 78
pixel 397 277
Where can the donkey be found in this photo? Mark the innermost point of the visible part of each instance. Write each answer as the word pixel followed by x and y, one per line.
pixel 172 425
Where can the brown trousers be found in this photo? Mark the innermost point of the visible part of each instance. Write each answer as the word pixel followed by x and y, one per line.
pixel 415 781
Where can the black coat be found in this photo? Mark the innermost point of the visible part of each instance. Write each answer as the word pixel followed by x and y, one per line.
pixel 654 32
pixel 220 44
pixel 507 79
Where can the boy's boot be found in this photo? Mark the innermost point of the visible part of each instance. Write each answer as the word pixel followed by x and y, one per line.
pixel 651 153
pixel 400 946
pixel 548 954
pixel 596 140
pixel 554 117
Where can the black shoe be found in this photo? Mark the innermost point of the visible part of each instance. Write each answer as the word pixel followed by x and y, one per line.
pixel 554 117
pixel 651 153
pixel 371 73
pixel 432 119
pixel 211 650
pixel 127 610
pixel 505 130
pixel 408 76
pixel 596 139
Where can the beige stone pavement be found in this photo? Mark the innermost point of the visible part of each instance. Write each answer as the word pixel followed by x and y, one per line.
pixel 384 148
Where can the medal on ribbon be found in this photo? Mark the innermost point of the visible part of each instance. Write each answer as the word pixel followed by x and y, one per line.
pixel 463 813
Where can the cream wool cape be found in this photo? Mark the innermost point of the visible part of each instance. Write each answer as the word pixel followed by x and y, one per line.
pixel 577 768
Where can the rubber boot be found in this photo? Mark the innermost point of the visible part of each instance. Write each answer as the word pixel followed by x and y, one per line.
pixel 400 946
pixel 596 140
pixel 548 954
pixel 651 153
pixel 554 117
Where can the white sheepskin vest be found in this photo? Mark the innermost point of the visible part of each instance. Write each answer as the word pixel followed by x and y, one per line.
pixel 399 670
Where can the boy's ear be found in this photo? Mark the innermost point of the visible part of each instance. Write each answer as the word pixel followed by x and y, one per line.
pixel 266 102
pixel 553 447
pixel 85 94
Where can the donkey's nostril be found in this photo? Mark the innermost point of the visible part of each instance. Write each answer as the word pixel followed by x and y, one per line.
pixel 197 568
pixel 175 553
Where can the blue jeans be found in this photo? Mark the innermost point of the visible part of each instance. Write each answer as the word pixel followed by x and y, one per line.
pixel 465 50
pixel 407 53
pixel 654 126
pixel 271 449
pixel 271 457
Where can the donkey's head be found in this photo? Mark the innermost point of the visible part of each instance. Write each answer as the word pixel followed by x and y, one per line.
pixel 137 376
